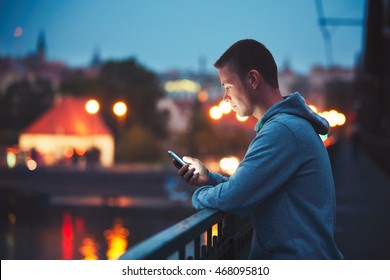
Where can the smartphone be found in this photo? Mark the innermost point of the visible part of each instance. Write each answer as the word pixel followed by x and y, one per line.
pixel 176 157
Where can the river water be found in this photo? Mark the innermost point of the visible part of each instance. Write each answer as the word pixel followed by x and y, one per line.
pixel 53 224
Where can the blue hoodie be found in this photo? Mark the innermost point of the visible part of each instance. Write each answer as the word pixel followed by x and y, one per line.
pixel 285 182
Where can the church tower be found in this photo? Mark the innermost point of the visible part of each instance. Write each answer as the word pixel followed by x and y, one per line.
pixel 41 47
pixel 96 60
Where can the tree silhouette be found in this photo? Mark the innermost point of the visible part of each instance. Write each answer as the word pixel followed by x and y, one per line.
pixel 130 82
pixel 22 103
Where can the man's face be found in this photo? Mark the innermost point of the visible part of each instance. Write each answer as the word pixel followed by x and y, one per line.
pixel 236 91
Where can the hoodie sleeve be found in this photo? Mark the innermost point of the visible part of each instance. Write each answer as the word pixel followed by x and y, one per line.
pixel 272 158
pixel 215 178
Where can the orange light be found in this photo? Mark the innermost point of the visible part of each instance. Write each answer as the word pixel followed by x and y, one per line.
pixel 68 152
pixel 203 96
pixel 214 232
pixel 225 107
pixel 334 118
pixel 119 109
pixel 80 151
pixel 215 113
pixel 89 249
pixel 12 218
pixel 116 239
pixel 31 164
pixel 313 108
pixel 229 164
pixel 241 119
pixel 92 106
pixel 329 141
pixel 341 119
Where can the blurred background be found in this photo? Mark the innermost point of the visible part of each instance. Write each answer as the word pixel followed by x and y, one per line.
pixel 94 93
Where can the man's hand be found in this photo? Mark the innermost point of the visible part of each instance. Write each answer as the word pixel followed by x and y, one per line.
pixel 194 172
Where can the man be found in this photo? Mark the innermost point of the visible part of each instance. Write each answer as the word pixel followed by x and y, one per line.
pixel 285 180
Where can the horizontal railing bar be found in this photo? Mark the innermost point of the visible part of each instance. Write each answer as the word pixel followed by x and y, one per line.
pixel 163 244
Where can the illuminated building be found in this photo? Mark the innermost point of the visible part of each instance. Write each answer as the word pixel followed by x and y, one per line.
pixel 65 129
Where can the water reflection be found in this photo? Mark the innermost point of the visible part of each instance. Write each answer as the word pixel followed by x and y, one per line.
pixel 10 236
pixel 71 226
pixel 67 237
pixel 116 239
pixel 89 249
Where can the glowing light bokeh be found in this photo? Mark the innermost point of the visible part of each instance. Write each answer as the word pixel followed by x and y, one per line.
pixel 241 119
pixel 341 119
pixel 116 238
pixel 119 109
pixel 229 164
pixel 183 85
pixel 80 151
pixel 92 106
pixel 89 249
pixel 203 96
pixel 11 159
pixel 225 107
pixel 31 164
pixel 216 113
pixel 68 152
pixel 334 118
pixel 313 108
pixel 18 31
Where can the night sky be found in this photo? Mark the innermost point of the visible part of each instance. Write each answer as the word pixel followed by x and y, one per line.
pixel 169 34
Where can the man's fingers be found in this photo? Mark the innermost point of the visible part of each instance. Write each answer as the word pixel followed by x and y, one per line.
pixel 183 169
pixel 194 178
pixel 188 175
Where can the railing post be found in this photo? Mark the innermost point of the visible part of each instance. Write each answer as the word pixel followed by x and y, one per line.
pixel 197 248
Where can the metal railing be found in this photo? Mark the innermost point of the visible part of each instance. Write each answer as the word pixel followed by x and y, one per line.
pixel 208 234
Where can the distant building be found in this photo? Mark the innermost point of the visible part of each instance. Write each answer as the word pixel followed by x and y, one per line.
pixel 185 89
pixel 67 130
pixel 41 47
pixel 287 79
pixel 180 114
pixel 32 66
pixel 319 76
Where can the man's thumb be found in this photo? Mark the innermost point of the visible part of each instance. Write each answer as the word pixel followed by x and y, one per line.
pixel 188 159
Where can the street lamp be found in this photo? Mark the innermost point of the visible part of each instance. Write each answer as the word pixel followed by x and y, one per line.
pixel 120 110
pixel 92 106
pixel 215 113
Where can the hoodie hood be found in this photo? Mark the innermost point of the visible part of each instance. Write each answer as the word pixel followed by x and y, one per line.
pixel 294 104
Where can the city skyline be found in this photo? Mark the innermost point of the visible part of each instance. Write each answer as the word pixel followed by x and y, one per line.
pixel 179 34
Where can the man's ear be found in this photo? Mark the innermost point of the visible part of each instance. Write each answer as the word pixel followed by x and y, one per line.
pixel 255 78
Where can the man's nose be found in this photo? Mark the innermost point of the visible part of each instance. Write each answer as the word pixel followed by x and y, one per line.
pixel 226 96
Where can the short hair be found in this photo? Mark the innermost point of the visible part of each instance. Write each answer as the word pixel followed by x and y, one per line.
pixel 248 54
